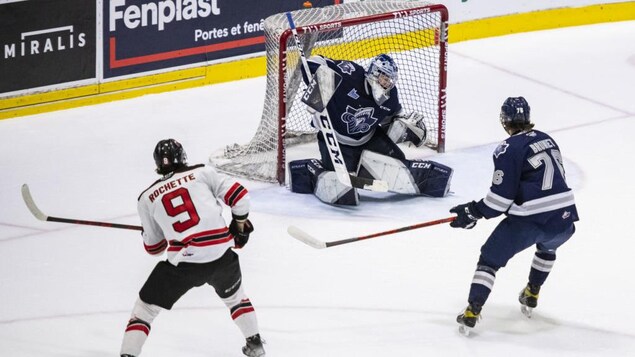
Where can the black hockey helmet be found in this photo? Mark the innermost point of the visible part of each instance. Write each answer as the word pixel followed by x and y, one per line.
pixel 515 115
pixel 169 155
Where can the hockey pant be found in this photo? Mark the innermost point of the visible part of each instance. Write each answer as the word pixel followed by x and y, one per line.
pixel 511 236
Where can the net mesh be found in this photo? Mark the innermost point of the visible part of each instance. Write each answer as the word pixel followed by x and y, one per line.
pixel 410 33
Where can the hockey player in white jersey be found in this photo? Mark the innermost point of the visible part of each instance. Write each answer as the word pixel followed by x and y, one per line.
pixel 182 213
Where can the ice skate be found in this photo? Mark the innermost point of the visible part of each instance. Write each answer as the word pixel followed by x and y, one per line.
pixel 528 299
pixel 467 320
pixel 254 347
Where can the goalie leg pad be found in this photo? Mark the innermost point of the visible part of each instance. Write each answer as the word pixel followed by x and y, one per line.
pixel 329 189
pixel 433 178
pixel 309 176
pixel 411 177
pixel 300 178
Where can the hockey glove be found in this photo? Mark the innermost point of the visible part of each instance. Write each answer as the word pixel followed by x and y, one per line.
pixel 466 215
pixel 241 231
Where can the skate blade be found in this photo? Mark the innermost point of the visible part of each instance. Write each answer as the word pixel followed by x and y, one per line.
pixel 464 330
pixel 527 311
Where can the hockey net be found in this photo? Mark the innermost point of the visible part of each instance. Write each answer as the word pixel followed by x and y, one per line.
pixel 414 33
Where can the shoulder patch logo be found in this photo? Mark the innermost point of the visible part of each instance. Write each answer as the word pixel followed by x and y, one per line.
pixel 346 67
pixel 358 120
pixel 353 94
pixel 501 149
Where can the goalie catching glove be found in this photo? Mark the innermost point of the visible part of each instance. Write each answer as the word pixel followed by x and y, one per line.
pixel 240 229
pixel 408 127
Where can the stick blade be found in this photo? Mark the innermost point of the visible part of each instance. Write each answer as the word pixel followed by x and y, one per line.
pixel 305 238
pixel 26 196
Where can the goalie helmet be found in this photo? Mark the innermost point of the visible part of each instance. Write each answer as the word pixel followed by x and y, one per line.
pixel 169 156
pixel 515 115
pixel 382 76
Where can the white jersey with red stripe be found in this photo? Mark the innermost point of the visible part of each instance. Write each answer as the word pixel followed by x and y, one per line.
pixel 183 213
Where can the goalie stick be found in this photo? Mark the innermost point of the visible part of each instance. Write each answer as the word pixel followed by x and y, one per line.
pixel 317 97
pixel 28 199
pixel 313 242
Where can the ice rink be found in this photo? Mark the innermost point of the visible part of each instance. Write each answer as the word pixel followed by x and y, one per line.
pixel 67 290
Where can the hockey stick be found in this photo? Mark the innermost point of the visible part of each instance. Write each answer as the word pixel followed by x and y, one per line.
pixel 311 241
pixel 26 195
pixel 317 98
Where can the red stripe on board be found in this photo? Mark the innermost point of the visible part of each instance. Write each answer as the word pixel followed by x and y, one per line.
pixel 117 63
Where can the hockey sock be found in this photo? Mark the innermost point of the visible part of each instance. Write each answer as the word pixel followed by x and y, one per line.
pixel 138 327
pixel 541 267
pixel 482 285
pixel 242 312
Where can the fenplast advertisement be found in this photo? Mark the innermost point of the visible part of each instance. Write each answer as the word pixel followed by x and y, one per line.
pixel 146 35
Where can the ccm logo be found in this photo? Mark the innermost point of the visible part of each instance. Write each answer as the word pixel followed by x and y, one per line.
pixel 421 165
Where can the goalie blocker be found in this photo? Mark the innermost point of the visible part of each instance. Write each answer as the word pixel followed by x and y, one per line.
pixel 411 177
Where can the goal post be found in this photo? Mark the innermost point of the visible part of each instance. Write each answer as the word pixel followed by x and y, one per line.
pixel 414 33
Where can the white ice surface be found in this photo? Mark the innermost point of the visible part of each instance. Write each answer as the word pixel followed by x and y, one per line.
pixel 67 290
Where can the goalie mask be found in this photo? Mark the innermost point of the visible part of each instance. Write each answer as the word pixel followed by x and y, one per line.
pixel 169 156
pixel 381 77
pixel 515 115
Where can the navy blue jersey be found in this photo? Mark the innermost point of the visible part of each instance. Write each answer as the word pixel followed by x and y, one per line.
pixel 529 181
pixel 354 114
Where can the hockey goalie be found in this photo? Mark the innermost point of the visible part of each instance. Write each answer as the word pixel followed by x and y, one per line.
pixel 368 121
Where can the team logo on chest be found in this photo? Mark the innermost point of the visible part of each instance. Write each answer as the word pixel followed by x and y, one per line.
pixel 346 67
pixel 501 149
pixel 358 120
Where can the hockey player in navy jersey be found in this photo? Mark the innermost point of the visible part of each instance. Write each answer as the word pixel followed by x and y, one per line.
pixel 528 187
pixel 367 119
pixel 182 213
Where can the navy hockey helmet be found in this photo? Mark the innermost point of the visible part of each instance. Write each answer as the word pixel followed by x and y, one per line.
pixel 169 155
pixel 382 76
pixel 515 115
